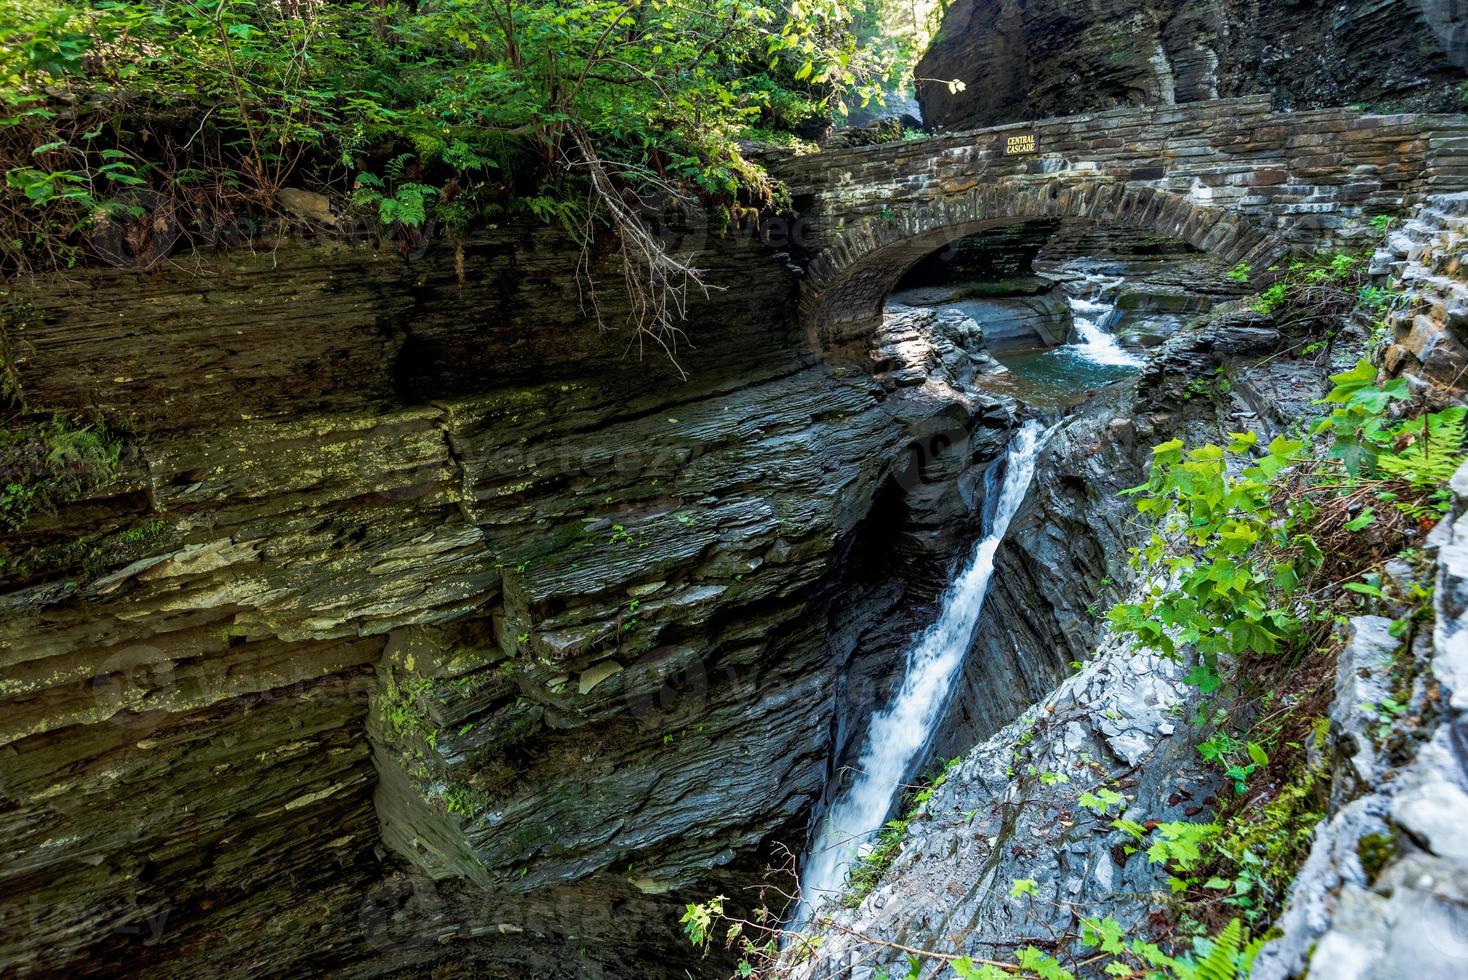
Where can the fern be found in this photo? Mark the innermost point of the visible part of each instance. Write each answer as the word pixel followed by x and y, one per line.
pixel 1220 963
pixel 1433 452
pixel 407 205
pixel 1246 958
pixel 1423 453
pixel 412 204
pixel 396 166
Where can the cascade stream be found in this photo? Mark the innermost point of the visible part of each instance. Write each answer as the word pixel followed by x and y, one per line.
pixel 898 734
pixel 1091 313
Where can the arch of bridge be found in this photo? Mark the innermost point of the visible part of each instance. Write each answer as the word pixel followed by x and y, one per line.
pixel 1231 177
pixel 848 282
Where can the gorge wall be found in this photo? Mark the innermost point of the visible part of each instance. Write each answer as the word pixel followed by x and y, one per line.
pixel 1380 893
pixel 427 629
pixel 1032 59
pixel 425 623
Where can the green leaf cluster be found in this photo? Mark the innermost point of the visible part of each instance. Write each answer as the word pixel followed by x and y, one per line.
pixel 51 462
pixel 1234 558
pixel 468 105
pixel 1226 591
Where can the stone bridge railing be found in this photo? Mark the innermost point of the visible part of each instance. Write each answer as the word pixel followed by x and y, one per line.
pixel 1231 177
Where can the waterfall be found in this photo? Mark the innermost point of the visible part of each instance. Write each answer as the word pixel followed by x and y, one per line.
pixel 1090 314
pixel 900 732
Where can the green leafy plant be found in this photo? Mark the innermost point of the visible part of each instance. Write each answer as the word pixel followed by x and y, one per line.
pixel 1239 760
pixel 1102 800
pixel 405 203
pixel 52 462
pixel 1222 595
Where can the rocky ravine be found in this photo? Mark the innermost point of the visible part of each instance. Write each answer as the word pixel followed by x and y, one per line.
pixel 1120 718
pixel 1032 59
pixel 425 625
pixel 1382 893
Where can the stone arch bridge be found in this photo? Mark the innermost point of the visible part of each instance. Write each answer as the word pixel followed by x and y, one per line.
pixel 1231 177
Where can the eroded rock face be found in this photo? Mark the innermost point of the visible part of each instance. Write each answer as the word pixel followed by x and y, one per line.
pixel 1428 337
pixel 1031 59
pixel 1382 893
pixel 423 623
pixel 1009 811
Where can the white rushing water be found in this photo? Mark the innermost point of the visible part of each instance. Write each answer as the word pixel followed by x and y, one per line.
pixel 900 732
pixel 1090 314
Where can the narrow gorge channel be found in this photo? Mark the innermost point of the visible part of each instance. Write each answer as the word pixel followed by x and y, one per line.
pixel 1048 340
pixel 763 490
pixel 897 734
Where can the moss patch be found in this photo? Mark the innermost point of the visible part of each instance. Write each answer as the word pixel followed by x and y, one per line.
pixel 1375 850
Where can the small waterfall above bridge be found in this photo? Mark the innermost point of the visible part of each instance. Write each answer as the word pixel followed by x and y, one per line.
pixel 898 733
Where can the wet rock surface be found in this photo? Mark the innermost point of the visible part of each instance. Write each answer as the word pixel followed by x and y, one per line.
pixel 1029 59
pixel 1009 811
pixel 407 636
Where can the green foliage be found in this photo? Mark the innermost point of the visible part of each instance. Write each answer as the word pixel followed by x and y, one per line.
pixel 698 919
pixel 1239 760
pixel 1021 887
pixel 1374 851
pixel 1270 300
pixel 1237 526
pixel 1383 223
pixel 1226 592
pixel 46 464
pixel 403 711
pixel 1358 421
pixel 405 203
pixel 1228 955
pixel 1310 291
pixel 1103 800
pixel 1041 964
pixel 471 108
pixel 465 801
pixel 1407 462
pixel 1180 844
pixel 1253 860
pixel 1424 453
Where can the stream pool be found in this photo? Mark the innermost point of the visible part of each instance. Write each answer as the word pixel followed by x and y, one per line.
pixel 1058 376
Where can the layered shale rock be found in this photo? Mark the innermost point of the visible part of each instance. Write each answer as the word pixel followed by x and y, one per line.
pixel 1009 810
pixel 1031 59
pixel 423 622
pixel 1427 336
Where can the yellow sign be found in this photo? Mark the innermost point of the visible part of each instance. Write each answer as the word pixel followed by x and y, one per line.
pixel 1021 144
